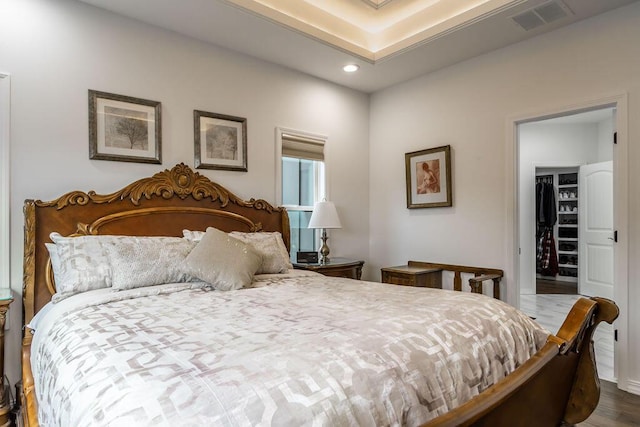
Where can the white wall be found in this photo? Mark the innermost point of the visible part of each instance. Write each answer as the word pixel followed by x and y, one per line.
pixel 56 50
pixel 469 105
pixel 551 145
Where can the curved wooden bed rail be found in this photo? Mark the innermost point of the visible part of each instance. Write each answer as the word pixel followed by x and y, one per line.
pixel 559 385
pixel 27 393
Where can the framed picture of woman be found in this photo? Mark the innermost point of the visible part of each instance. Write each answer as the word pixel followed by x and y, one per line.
pixel 429 178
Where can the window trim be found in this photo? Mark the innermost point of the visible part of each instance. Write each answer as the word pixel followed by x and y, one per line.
pixel 5 176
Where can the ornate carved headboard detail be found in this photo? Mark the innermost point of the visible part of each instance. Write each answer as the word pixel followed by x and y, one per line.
pixel 161 205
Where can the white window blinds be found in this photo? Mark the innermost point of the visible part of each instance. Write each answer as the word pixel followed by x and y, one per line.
pixel 302 147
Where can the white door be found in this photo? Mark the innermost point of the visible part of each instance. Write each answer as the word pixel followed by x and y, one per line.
pixel 595 230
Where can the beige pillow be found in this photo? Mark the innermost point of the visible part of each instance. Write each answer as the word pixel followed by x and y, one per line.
pixel 223 261
pixel 275 257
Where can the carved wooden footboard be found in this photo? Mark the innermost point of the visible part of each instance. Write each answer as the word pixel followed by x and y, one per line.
pixel 558 385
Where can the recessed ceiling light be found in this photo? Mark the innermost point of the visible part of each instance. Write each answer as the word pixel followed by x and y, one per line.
pixel 351 68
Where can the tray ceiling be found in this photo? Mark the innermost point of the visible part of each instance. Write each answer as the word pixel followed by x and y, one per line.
pixel 370 31
pixel 391 40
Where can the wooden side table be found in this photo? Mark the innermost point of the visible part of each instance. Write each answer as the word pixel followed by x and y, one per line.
pixel 5 406
pixel 408 275
pixel 336 267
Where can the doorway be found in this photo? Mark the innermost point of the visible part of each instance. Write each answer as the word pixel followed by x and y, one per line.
pixel 553 151
pixel 557 150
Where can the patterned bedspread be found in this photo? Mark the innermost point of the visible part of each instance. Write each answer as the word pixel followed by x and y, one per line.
pixel 299 349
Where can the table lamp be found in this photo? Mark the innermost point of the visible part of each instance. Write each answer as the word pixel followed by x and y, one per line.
pixel 324 216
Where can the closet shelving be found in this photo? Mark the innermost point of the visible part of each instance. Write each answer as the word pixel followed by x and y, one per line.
pixel 568 225
pixel 565 230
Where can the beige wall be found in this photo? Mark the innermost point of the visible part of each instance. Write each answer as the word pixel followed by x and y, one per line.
pixel 468 106
pixel 56 50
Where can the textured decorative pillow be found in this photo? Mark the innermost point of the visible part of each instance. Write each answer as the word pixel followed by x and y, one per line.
pixel 82 265
pixel 147 261
pixel 275 258
pixel 223 261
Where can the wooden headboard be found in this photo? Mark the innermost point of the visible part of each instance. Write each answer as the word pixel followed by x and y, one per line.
pixel 161 205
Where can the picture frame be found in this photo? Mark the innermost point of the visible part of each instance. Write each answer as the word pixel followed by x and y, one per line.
pixel 124 129
pixel 428 175
pixel 220 141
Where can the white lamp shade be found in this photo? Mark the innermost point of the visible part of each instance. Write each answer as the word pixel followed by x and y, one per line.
pixel 324 216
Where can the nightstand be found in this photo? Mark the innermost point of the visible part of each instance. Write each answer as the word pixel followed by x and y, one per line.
pixel 5 407
pixel 336 267
pixel 412 276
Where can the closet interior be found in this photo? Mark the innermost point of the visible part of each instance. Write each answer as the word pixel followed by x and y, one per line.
pixel 557 254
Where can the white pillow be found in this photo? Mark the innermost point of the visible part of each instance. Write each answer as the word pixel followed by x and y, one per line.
pixel 86 263
pixel 223 261
pixel 275 257
pixel 55 259
pixel 34 324
pixel 81 263
pixel 147 261
pixel 194 236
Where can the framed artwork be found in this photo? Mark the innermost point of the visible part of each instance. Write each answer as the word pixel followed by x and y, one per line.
pixel 429 178
pixel 124 129
pixel 220 141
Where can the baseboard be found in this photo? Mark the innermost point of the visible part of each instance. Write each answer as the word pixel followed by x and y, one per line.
pixel 634 387
pixel 528 290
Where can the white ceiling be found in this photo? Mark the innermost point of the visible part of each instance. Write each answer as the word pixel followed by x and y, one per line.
pixel 391 40
pixel 587 117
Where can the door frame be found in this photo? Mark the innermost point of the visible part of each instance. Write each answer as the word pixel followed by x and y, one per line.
pixel 620 202
pixel 5 176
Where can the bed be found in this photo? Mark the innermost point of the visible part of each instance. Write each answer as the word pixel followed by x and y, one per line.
pixel 158 345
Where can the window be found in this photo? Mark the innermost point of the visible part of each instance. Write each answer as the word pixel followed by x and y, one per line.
pixel 302 184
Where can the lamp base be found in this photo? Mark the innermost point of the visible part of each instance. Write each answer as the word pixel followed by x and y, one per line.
pixel 324 250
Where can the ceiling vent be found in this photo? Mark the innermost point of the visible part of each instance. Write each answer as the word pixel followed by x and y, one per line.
pixel 544 14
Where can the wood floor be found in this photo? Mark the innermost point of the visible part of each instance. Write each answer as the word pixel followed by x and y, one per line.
pixel 616 407
pixel 550 310
pixel 544 286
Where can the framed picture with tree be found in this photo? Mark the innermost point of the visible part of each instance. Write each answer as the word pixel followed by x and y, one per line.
pixel 123 128
pixel 220 141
